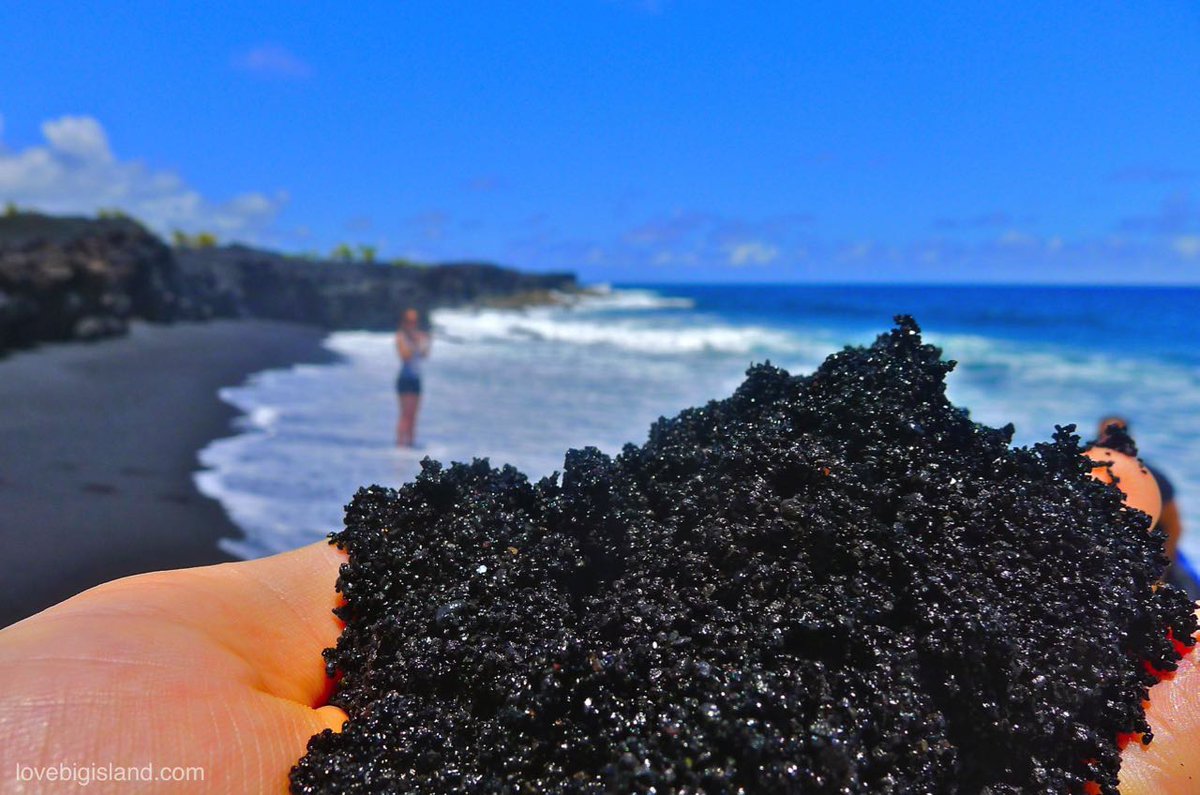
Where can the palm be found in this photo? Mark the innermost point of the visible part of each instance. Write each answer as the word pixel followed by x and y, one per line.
pixel 217 668
pixel 1170 765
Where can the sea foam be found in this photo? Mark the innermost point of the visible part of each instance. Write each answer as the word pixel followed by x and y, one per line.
pixel 521 387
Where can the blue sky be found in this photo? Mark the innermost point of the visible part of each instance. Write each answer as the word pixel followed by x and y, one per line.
pixel 651 140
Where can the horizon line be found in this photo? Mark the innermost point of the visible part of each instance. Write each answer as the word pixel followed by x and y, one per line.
pixel 928 284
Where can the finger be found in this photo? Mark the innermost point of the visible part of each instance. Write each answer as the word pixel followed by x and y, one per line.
pixel 277 612
pixel 274 615
pixel 332 717
pixel 1170 764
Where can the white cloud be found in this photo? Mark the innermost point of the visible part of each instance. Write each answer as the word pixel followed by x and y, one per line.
pixel 272 60
pixel 1015 238
pixel 1187 246
pixel 752 253
pixel 930 256
pixel 856 251
pixel 668 257
pixel 75 171
pixel 81 137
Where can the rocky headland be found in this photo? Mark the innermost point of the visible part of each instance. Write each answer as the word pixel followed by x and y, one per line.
pixel 67 278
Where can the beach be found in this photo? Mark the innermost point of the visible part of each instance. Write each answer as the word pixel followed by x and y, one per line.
pixel 98 447
pixel 191 444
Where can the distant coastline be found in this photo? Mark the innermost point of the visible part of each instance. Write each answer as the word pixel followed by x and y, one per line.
pixel 73 278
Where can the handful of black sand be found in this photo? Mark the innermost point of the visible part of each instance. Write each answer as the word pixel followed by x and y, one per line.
pixel 831 583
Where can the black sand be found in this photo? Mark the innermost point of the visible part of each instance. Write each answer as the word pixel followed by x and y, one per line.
pixel 826 584
pixel 98 445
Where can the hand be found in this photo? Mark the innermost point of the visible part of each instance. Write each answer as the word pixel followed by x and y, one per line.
pixel 219 669
pixel 1170 765
pixel 216 668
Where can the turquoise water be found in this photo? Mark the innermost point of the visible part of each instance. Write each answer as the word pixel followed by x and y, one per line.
pixel 522 387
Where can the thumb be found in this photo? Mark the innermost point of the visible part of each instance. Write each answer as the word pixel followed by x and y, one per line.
pixel 1170 764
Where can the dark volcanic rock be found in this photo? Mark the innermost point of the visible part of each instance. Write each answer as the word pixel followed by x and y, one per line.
pixel 65 278
pixel 81 278
pixel 242 281
pixel 826 584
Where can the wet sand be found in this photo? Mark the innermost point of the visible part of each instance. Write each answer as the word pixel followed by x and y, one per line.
pixel 98 446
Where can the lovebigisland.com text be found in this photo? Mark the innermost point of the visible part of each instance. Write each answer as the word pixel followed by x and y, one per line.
pixel 84 775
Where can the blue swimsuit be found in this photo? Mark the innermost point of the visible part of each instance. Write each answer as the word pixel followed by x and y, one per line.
pixel 409 380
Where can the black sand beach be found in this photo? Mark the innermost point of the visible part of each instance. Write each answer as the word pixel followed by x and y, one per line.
pixel 98 446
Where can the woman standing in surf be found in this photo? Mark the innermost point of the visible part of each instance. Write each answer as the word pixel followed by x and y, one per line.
pixel 412 344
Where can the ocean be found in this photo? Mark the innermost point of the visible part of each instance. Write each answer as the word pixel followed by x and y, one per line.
pixel 521 387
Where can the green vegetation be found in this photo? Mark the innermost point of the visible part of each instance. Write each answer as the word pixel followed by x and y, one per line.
pixel 181 239
pixel 360 252
pixel 113 214
pixel 11 210
pixel 363 252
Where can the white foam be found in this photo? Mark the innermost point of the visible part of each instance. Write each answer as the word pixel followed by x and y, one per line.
pixel 638 336
pixel 607 298
pixel 263 417
pixel 517 387
pixel 521 387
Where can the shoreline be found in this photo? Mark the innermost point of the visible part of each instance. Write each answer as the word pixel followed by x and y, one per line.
pixel 85 500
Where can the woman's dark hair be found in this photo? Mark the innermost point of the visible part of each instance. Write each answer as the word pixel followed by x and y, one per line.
pixel 1114 435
